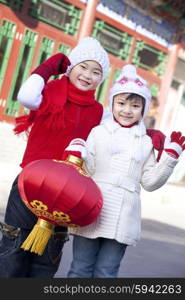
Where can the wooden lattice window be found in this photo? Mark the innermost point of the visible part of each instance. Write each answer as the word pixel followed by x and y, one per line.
pixel 22 69
pixel 149 58
pixel 113 40
pixel 7 31
pixel 15 4
pixel 57 13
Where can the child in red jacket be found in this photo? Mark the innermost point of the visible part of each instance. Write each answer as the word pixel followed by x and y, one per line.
pixel 60 111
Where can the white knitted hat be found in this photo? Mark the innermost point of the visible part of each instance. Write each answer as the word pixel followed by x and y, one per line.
pixel 130 82
pixel 89 49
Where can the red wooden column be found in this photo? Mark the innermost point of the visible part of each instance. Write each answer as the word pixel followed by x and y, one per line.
pixel 88 19
pixel 166 83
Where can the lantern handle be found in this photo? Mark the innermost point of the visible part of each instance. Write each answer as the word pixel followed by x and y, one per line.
pixel 74 159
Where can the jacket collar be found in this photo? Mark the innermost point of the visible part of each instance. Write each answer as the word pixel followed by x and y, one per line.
pixel 112 126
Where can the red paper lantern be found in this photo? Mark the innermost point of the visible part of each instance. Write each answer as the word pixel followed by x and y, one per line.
pixel 59 193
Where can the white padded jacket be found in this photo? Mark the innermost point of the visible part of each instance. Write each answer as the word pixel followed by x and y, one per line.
pixel 115 166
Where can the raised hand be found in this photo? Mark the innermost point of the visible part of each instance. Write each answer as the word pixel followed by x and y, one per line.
pixel 176 144
pixel 55 65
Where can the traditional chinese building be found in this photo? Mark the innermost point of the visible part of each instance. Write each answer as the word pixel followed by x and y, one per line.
pixel 148 34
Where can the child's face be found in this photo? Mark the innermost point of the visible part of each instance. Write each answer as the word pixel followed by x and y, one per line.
pixel 127 111
pixel 86 75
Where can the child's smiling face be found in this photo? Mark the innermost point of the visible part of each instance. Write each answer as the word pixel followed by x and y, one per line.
pixel 127 111
pixel 86 75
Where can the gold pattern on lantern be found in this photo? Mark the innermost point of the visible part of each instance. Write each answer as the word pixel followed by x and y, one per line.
pixel 59 215
pixel 41 210
pixel 38 205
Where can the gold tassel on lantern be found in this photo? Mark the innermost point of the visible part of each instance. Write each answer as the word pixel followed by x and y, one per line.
pixel 38 237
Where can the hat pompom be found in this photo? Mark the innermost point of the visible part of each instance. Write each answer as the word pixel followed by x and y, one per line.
pixel 129 71
pixel 86 40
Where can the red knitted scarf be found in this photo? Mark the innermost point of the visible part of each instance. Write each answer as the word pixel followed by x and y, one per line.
pixel 55 95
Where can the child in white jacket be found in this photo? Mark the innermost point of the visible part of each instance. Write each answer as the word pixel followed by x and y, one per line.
pixel 119 156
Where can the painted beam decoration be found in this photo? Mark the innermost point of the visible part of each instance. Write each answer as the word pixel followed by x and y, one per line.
pixel 159 20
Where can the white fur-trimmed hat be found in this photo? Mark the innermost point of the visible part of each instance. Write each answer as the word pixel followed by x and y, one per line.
pixel 130 82
pixel 89 49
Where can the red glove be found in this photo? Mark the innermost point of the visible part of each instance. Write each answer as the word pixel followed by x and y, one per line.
pixel 176 144
pixel 55 65
pixel 158 139
pixel 76 147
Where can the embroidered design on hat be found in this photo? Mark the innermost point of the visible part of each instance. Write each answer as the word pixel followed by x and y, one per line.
pixel 126 80
pixel 130 82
